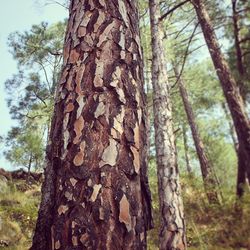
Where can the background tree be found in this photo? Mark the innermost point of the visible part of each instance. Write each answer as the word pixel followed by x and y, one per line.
pixel 208 175
pixel 229 86
pixel 25 148
pixel 172 231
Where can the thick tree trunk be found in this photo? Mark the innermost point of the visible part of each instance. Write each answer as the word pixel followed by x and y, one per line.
pixel 230 89
pixel 185 143
pixel 208 176
pixel 96 193
pixel 172 231
pixel 242 161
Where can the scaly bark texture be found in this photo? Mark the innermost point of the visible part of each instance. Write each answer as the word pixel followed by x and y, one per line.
pixel 96 193
pixel 209 180
pixel 172 230
pixel 229 86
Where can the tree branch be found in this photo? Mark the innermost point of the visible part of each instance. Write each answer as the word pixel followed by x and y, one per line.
pixel 172 10
pixel 186 54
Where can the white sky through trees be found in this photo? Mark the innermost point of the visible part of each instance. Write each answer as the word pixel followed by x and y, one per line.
pixel 19 15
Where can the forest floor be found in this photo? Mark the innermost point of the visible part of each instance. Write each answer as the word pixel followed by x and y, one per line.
pixel 208 227
pixel 19 203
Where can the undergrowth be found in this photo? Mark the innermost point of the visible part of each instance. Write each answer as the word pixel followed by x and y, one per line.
pixel 209 227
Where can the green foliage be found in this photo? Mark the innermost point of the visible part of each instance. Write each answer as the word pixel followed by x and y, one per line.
pixel 38 53
pixel 31 91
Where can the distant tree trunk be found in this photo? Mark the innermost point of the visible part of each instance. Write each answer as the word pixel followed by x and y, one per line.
pixel 29 168
pixel 96 193
pixel 184 131
pixel 239 56
pixel 229 86
pixel 231 127
pixel 209 179
pixel 172 230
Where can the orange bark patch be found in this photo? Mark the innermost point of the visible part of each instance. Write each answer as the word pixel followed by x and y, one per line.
pixel 79 158
pixel 69 108
pixel 124 215
pixel 78 127
pixel 74 56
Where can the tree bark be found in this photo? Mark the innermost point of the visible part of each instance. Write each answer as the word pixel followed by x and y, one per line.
pixel 228 83
pixel 96 193
pixel 210 183
pixel 172 230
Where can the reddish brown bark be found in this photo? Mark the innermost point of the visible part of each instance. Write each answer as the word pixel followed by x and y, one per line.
pixel 96 178
pixel 228 83
pixel 172 233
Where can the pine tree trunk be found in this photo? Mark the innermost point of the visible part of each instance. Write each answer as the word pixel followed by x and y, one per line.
pixel 96 193
pixel 242 161
pixel 185 143
pixel 239 57
pixel 172 231
pixel 229 86
pixel 209 180
pixel 231 127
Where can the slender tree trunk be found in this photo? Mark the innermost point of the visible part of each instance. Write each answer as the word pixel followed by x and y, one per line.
pixel 184 131
pixel 172 231
pixel 239 57
pixel 96 193
pixel 231 127
pixel 209 180
pixel 229 86
pixel 29 168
